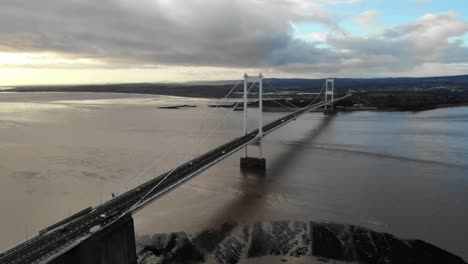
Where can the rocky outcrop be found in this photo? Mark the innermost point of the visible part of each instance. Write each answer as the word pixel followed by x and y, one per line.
pixel 232 243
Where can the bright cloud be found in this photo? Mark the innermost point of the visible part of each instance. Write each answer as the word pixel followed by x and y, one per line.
pixel 230 35
pixel 367 17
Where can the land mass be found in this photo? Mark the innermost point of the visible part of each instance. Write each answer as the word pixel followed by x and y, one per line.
pixel 382 93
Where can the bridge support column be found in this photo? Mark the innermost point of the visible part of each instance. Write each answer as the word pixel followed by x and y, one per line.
pixel 329 95
pixel 246 81
pixel 260 115
pixel 113 245
pixel 250 162
pixel 329 92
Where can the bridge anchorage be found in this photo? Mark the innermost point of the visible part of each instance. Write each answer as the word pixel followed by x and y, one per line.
pixel 247 162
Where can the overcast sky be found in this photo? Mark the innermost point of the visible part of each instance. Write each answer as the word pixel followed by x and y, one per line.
pixel 110 41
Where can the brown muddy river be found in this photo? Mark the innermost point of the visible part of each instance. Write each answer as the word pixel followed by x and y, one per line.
pixel 400 172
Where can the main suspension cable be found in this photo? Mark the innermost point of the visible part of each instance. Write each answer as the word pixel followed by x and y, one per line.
pixel 188 134
pixel 188 155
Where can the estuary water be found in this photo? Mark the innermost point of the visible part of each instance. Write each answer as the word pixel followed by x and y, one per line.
pixel 398 172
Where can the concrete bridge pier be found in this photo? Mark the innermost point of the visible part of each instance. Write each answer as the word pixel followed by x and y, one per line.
pixel 114 244
pixel 253 163
pixel 257 164
pixel 330 111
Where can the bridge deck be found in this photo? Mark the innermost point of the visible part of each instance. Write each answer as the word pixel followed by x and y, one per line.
pixel 46 246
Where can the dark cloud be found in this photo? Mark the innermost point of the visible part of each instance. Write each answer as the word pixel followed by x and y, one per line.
pixel 240 33
pixel 220 33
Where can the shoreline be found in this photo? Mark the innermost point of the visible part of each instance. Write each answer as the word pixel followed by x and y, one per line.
pixel 251 104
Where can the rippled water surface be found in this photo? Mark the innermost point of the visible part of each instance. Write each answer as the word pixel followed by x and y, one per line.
pixel 400 172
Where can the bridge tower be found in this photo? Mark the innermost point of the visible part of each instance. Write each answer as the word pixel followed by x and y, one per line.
pixel 246 161
pixel 329 92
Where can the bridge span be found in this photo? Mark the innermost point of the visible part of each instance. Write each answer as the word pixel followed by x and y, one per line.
pixel 53 243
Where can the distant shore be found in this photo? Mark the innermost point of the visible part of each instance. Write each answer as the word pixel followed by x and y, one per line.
pixel 368 95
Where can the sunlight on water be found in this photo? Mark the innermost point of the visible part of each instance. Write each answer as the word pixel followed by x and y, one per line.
pixel 153 101
pixel 27 107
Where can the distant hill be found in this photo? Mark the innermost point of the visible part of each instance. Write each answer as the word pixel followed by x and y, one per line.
pixel 302 82
pixel 218 89
pixel 379 83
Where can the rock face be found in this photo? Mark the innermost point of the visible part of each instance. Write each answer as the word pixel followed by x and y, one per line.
pixel 233 243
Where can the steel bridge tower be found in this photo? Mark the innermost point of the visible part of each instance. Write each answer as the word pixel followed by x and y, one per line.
pixel 246 161
pixel 329 92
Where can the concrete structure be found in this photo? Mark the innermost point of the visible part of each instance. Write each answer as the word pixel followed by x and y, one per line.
pixel 253 163
pixel 112 245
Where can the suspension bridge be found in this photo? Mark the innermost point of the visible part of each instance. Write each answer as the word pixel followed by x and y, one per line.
pixel 104 234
